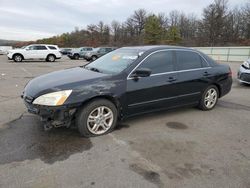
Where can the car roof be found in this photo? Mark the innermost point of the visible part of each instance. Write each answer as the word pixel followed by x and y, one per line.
pixel 43 45
pixel 155 47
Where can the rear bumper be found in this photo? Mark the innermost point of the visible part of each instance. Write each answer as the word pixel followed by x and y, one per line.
pixel 225 86
pixel 244 75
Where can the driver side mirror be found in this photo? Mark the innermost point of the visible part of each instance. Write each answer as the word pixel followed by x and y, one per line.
pixel 143 72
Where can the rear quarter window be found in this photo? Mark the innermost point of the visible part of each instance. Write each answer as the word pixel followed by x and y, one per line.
pixel 52 47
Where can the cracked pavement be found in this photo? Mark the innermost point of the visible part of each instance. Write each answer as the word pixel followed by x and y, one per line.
pixel 184 147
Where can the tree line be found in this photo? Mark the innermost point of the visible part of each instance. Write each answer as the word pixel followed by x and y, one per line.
pixel 219 25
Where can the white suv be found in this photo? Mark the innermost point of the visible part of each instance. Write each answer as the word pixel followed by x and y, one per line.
pixel 36 51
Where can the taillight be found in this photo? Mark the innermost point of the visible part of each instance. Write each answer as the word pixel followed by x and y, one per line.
pixel 230 72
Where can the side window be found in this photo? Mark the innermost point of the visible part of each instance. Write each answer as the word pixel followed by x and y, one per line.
pixel 188 60
pixel 204 63
pixel 108 49
pixel 159 62
pixel 53 47
pixel 102 50
pixel 40 48
pixel 31 47
pixel 89 49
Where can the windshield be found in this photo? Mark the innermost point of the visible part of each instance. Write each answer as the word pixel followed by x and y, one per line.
pixel 114 62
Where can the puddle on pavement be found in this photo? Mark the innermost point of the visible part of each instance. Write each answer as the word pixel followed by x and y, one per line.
pixel 148 175
pixel 176 125
pixel 25 139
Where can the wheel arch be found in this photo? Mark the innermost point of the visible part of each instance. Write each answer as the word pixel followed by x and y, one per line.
pixel 17 54
pixel 218 87
pixel 50 54
pixel 110 98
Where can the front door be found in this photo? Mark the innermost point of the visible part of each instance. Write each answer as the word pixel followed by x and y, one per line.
pixel 157 90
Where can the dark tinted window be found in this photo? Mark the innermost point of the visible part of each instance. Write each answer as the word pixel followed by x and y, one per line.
pixel 52 47
pixel 159 62
pixel 101 50
pixel 204 63
pixel 40 48
pixel 89 49
pixel 188 60
pixel 108 49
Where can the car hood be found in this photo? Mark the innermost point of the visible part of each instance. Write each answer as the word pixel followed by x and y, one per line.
pixel 61 80
pixel 16 50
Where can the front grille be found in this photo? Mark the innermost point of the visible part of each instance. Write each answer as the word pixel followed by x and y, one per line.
pixel 245 77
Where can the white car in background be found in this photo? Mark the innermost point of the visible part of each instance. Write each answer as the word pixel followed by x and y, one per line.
pixel 45 52
pixel 244 72
pixel 4 49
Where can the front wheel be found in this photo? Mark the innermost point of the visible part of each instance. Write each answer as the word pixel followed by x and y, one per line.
pixel 76 56
pixel 18 58
pixel 209 98
pixel 97 118
pixel 93 58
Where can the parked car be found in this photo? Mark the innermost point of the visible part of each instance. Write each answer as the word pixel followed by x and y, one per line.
pixel 36 51
pixel 244 72
pixel 79 52
pixel 4 49
pixel 97 52
pixel 126 82
pixel 66 51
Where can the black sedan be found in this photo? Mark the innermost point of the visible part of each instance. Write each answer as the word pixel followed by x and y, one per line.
pixel 126 82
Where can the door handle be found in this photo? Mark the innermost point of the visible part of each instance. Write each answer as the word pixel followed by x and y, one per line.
pixel 171 79
pixel 206 73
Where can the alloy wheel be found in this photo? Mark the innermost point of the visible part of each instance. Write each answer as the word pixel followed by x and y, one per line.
pixel 211 98
pixel 100 120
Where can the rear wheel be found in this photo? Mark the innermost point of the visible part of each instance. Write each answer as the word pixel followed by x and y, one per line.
pixel 209 98
pixel 18 58
pixel 97 118
pixel 51 58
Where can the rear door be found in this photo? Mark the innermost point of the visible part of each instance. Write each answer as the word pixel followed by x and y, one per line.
pixel 156 91
pixel 193 74
pixel 101 52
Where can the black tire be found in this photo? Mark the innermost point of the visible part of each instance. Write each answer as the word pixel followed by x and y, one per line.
pixel 76 56
pixel 93 58
pixel 51 58
pixel 203 105
pixel 83 115
pixel 18 58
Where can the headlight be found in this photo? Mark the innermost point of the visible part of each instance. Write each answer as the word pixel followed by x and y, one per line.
pixel 246 65
pixel 53 99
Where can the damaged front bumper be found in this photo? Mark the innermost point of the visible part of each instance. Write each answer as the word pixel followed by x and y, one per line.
pixel 244 75
pixel 57 116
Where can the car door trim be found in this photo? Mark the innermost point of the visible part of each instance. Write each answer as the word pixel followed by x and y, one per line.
pixel 178 71
pixel 162 99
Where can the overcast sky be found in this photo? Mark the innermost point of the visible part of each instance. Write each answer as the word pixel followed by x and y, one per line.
pixel 35 19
